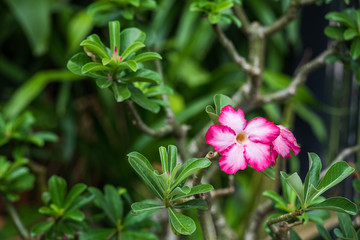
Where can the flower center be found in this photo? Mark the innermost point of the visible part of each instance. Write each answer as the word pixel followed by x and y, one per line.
pixel 241 137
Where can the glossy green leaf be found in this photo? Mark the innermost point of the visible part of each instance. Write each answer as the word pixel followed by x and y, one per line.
pixel 164 159
pixel 140 98
pixel 97 234
pixel 198 189
pixel 221 101
pixel 141 166
pixel 93 67
pixel 350 33
pixel 143 75
pixel 172 154
pixel 131 234
pixel 146 56
pixel 94 47
pixel 211 113
pixel 269 172
pixel 141 207
pixel 180 191
pixel 114 31
pixel 136 46
pixel 355 49
pixel 103 83
pixel 346 226
pixel 295 183
pixel 129 36
pixel 77 62
pixel 104 204
pixel 99 7
pixel 334 32
pixel 35 21
pixel 342 18
pixel 189 167
pixel 41 227
pixel 121 92
pixel 313 175
pixel 73 194
pixel 338 204
pixel 193 203
pixel 276 198
pixel 57 189
pixel 114 201
pixel 75 215
pixel 180 223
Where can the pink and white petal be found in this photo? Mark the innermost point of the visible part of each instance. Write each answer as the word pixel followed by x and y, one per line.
pixel 287 138
pixel 233 159
pixel 233 119
pixel 282 146
pixel 220 137
pixel 273 155
pixel 261 130
pixel 257 155
pixel 295 148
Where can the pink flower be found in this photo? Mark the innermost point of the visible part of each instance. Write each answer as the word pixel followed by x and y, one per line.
pixel 284 143
pixel 242 143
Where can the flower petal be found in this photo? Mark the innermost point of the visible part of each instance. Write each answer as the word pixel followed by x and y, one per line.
pixel 273 155
pixel 284 142
pixel 257 155
pixel 220 137
pixel 261 130
pixel 233 119
pixel 233 159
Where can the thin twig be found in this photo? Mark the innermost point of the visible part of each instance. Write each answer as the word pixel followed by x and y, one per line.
pixel 24 234
pixel 224 191
pixel 229 46
pixel 289 15
pixel 240 13
pixel 255 221
pixel 282 229
pixel 299 79
pixel 341 156
pixel 143 127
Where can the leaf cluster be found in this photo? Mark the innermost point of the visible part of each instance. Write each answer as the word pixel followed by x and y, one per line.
pixel 15 177
pixel 169 187
pixel 216 11
pixel 120 67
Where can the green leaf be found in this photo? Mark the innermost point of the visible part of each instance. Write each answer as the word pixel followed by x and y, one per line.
pixel 93 67
pixel 346 225
pixel 338 204
pixel 114 30
pixel 103 204
pixel 94 47
pixel 342 18
pixel 141 165
pixel 129 36
pixel 76 63
pixel 78 28
pixel 97 234
pixel 193 203
pixel 141 207
pixel 121 92
pixel 211 113
pixel 172 155
pixel 41 227
pixel 73 194
pixel 179 191
pixel 277 199
pixel 75 215
pixel 189 167
pixel 146 56
pixel 350 33
pixel 355 49
pixel 202 188
pixel 295 183
pixel 269 172
pixel 138 235
pixel 143 75
pixel 214 18
pixel 57 189
pixel 181 224
pixel 313 175
pixel 164 160
pixel 114 201
pixel 334 32
pixel 336 173
pixel 140 98
pixel 221 101
pixel 132 48
pixel 223 5
pixel 35 22
pixel 103 83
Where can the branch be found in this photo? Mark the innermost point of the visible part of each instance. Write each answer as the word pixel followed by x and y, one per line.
pixel 256 219
pixel 16 219
pixel 282 229
pixel 342 155
pixel 241 15
pixel 224 191
pixel 143 127
pixel 299 78
pixel 229 46
pixel 289 15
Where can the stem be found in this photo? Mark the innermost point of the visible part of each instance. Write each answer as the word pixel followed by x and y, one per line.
pixel 281 231
pixel 205 217
pixel 24 234
pixel 240 13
